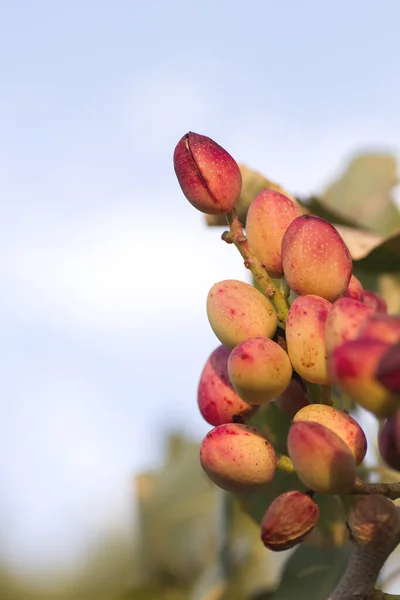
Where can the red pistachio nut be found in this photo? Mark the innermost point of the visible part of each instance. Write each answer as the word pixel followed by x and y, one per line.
pixel 208 175
pixel 289 520
pixel 218 402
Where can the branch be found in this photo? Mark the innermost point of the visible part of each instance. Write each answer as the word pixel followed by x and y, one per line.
pixel 237 237
pixel 374 524
pixel 389 490
pixel 362 571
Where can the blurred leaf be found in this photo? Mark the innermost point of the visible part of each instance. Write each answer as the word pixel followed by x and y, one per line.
pixel 312 573
pixel 210 586
pixel 264 596
pixel 273 423
pixel 371 252
pixel 177 515
pixel 331 529
pixel 317 207
pixel 256 504
pixel 363 193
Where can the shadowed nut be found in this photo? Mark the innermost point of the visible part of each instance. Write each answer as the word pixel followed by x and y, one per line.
pixel 288 520
pixel 373 519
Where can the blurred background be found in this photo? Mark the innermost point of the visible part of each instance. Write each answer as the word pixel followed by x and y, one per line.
pixel 105 267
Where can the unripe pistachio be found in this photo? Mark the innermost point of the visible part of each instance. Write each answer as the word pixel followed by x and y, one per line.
pixel 315 258
pixel 289 520
pixel 344 322
pixel 218 402
pixel 374 301
pixel 340 423
pixel 238 458
pixel 381 326
pixel 305 337
pixel 355 289
pixel 209 176
pixel 237 311
pixel 321 459
pixel 388 371
pixel 353 367
pixel 259 370
pixel 268 217
pixel 293 398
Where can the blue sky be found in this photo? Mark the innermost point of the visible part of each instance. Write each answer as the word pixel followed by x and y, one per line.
pixel 104 267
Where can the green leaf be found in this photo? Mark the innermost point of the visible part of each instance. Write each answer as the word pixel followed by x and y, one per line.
pixel 312 573
pixel 256 504
pixel 273 423
pixel 331 529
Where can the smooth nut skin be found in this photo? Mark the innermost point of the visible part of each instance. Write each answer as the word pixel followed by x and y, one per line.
pixel 315 258
pixel 388 371
pixel 259 370
pixel 344 322
pixel 372 519
pixel 322 460
pixel 355 289
pixel 353 367
pixel 238 458
pixel 217 400
pixel 268 217
pixel 389 442
pixel 382 327
pixel 292 399
pixel 237 311
pixel 208 175
pixel 305 337
pixel 289 520
pixel 340 423
pixel 375 302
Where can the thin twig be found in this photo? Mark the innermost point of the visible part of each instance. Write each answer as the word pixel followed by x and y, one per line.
pixel 236 236
pixel 389 490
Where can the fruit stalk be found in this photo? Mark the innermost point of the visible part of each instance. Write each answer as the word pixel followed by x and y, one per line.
pixel 236 236
pixel 283 463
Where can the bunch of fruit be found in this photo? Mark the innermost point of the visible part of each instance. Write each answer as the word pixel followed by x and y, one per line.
pixel 306 334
